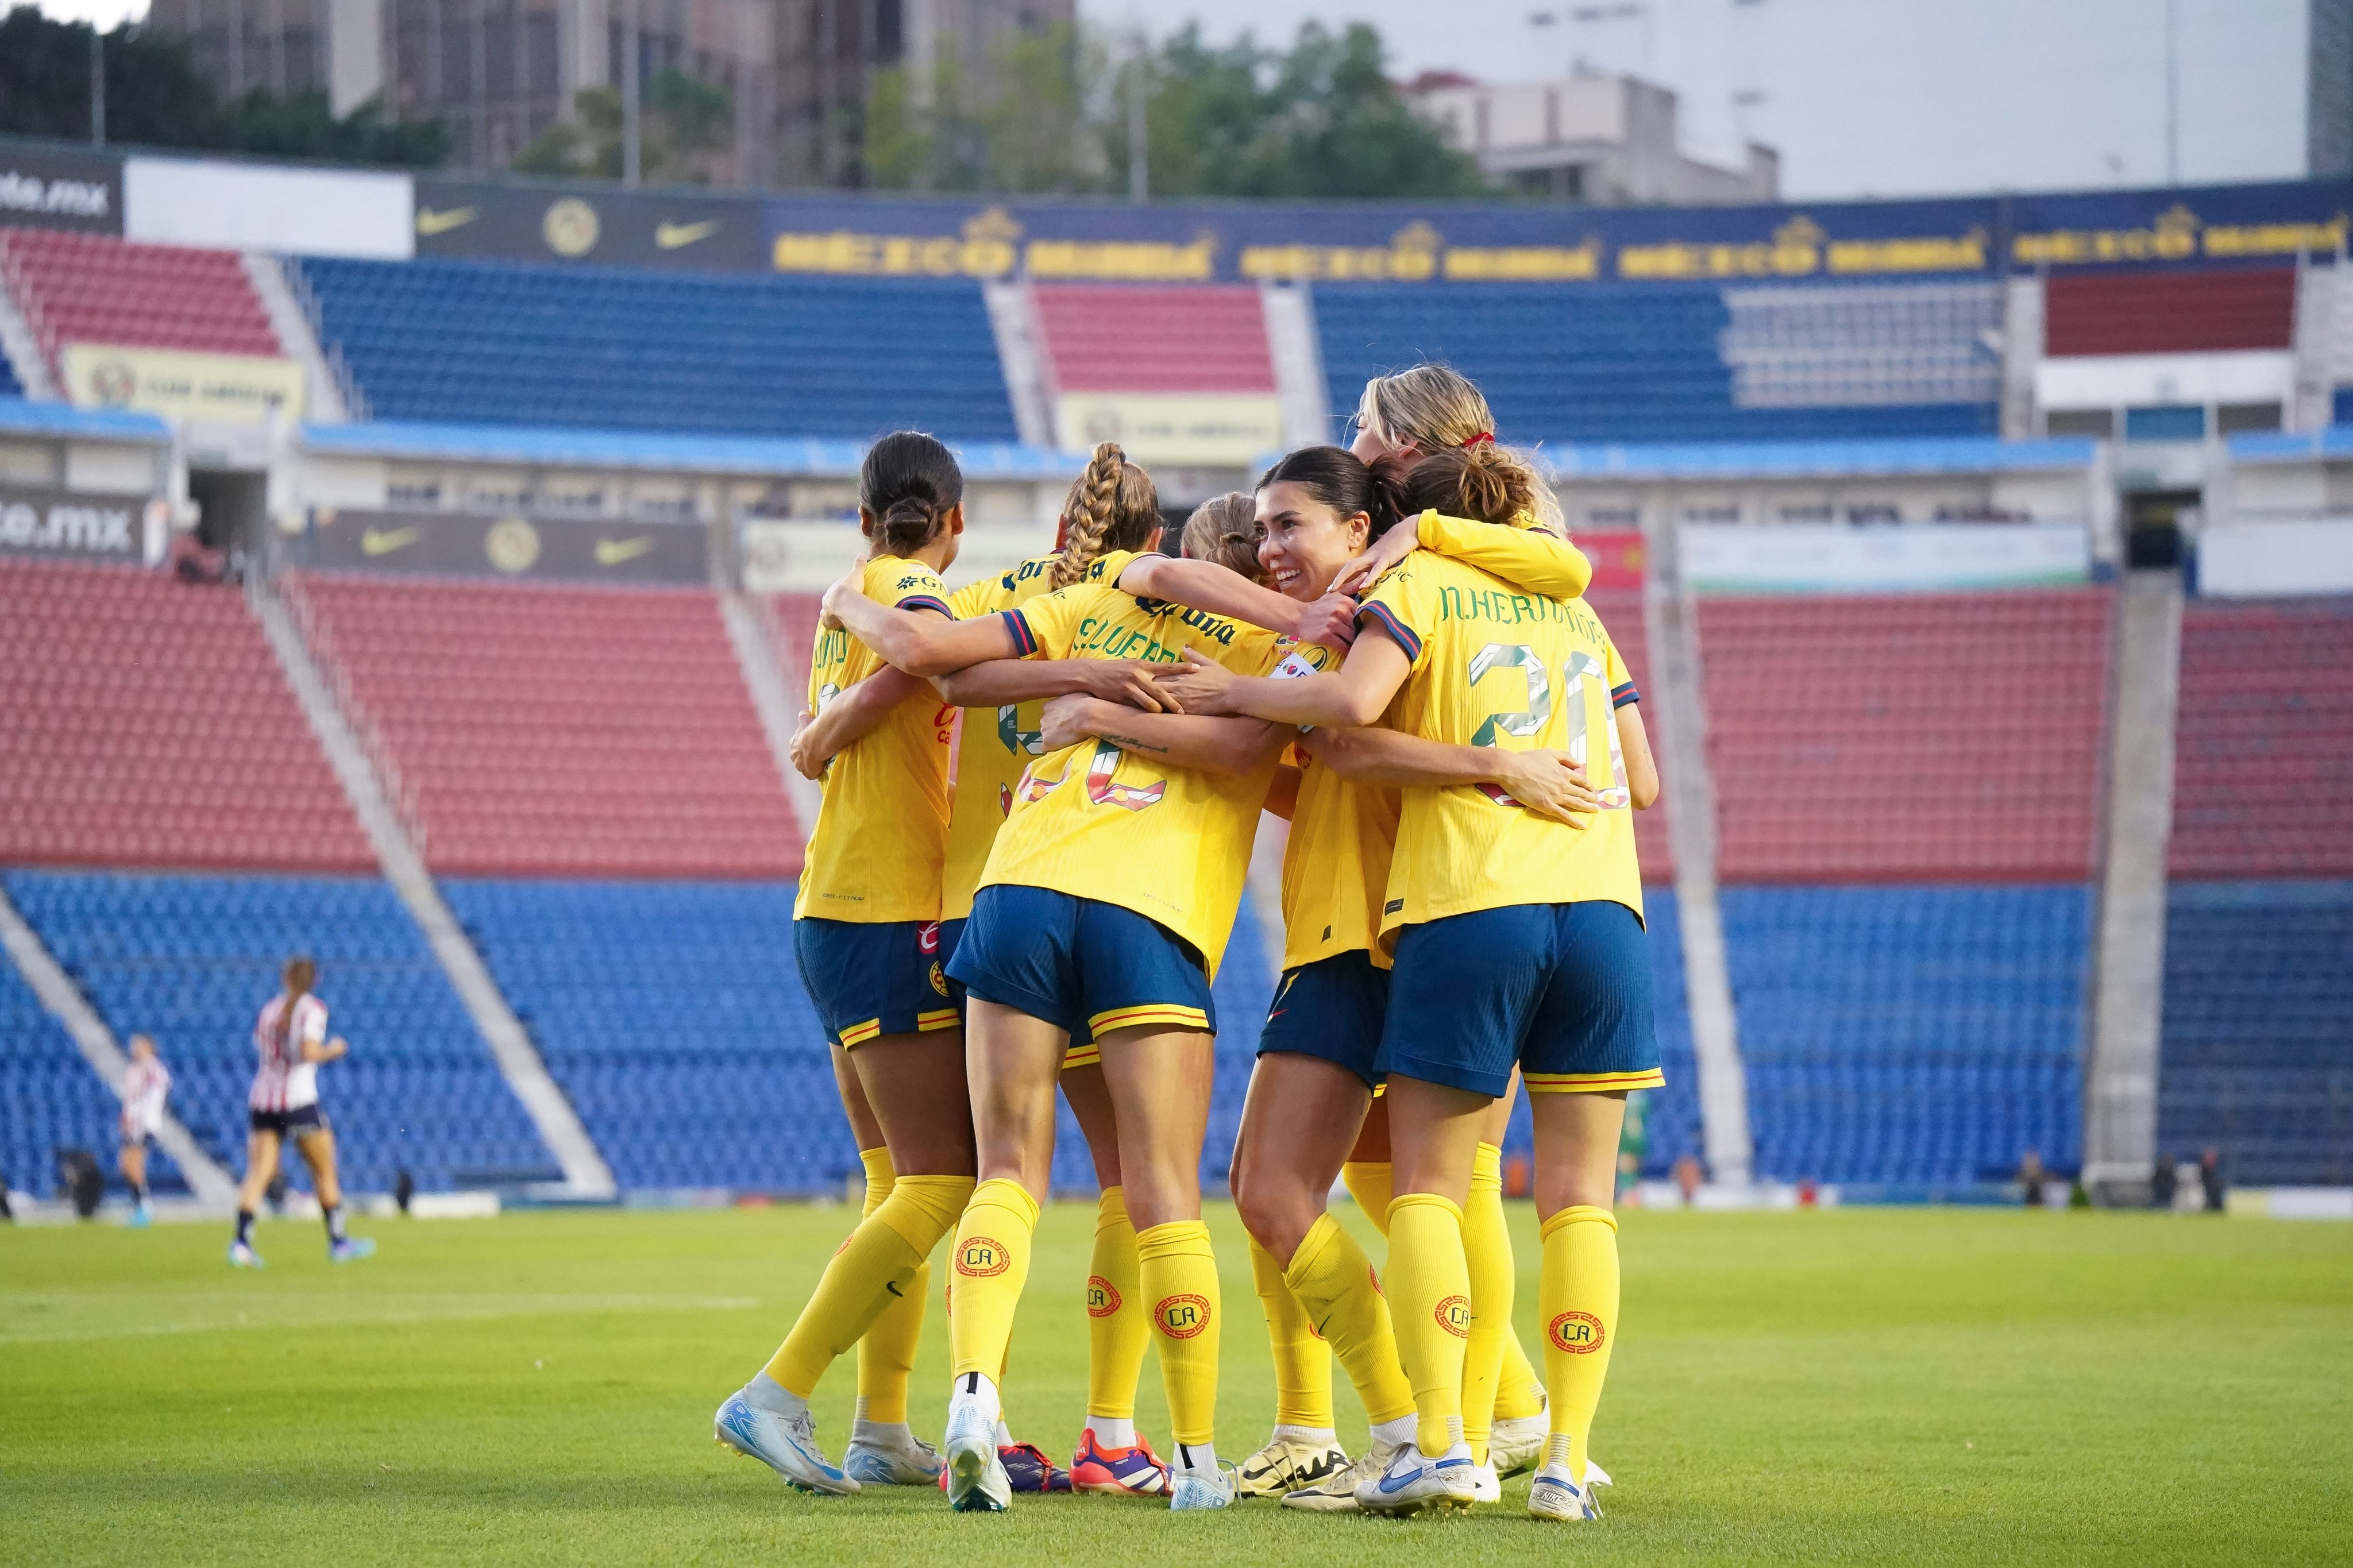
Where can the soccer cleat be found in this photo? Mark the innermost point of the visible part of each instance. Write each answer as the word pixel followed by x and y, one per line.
pixel 1189 1490
pixel 351 1249
pixel 785 1444
pixel 1336 1493
pixel 1486 1485
pixel 142 1217
pixel 1517 1442
pixel 1286 1465
pixel 975 1478
pixel 1029 1469
pixel 1134 1472
pixel 1552 1495
pixel 1413 1482
pixel 902 1460
pixel 241 1253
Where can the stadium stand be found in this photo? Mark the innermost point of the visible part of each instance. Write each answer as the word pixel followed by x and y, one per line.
pixel 1909 1036
pixel 49 1099
pixel 1136 337
pixel 507 343
pixel 1621 610
pixel 2263 740
pixel 543 729
pixel 148 724
pixel 86 288
pixel 2256 1059
pixel 9 386
pixel 2170 313
pixel 190 960
pixel 1620 363
pixel 1903 738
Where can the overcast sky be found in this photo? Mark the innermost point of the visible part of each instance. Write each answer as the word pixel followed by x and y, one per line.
pixel 1861 96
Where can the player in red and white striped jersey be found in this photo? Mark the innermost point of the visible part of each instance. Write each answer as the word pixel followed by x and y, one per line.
pixel 290 1040
pixel 146 1084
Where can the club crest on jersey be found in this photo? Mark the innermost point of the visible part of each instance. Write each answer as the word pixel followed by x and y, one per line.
pixel 1577 1333
pixel 1453 1315
pixel 1103 1296
pixel 982 1257
pixel 939 978
pixel 1182 1317
pixel 1102 791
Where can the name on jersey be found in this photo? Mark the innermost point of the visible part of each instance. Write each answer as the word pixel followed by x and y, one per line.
pixel 1105 636
pixel 1459 604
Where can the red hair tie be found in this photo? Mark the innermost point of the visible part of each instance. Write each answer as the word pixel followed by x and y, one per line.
pixel 1486 435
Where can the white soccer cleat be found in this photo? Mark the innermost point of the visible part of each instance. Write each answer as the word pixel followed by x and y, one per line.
pixel 1285 1465
pixel 1194 1489
pixel 1413 1482
pixel 242 1255
pixel 893 1457
pixel 1336 1493
pixel 1486 1485
pixel 1517 1443
pixel 785 1444
pixel 1552 1495
pixel 976 1479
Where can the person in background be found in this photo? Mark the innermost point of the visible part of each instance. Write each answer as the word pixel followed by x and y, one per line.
pixel 2210 1178
pixel 1633 1143
pixel 290 1041
pixel 146 1084
pixel 2163 1182
pixel 2032 1178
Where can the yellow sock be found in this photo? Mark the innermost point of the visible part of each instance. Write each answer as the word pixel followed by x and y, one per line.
pixel 886 1356
pixel 875 1268
pixel 1519 1392
pixel 1430 1298
pixel 1368 1184
pixel 1117 1327
pixel 1487 1248
pixel 1179 1275
pixel 1332 1280
pixel 1579 1296
pixel 1303 1362
pixel 992 1263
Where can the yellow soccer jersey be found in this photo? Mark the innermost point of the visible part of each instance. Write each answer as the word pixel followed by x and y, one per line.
pixel 1493 666
pixel 995 747
pixel 1336 868
pixel 883 825
pixel 1097 823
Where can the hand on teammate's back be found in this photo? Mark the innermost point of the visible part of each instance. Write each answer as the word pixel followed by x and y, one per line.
pixel 1549 784
pixel 1126 681
pixel 1330 621
pixel 1199 685
pixel 806 760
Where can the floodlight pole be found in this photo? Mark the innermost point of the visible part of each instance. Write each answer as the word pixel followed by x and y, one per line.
pixel 631 144
pixel 1139 168
pixel 2172 92
pixel 96 87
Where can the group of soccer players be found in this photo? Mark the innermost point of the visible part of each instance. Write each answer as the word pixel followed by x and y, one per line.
pixel 1384 644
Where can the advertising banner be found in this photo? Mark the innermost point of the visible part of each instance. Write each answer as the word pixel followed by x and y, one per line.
pixel 2216 226
pixel 236 389
pixel 58 524
pixel 477 546
pixel 680 231
pixel 1836 558
pixel 1617 556
pixel 235 206
pixel 42 187
pixel 2282 560
pixel 1227 430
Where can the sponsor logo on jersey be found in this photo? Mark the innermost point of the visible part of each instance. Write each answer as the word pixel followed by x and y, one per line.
pixel 927 936
pixel 1577 1333
pixel 1103 1296
pixel 983 1258
pixel 1182 1317
pixel 1453 1315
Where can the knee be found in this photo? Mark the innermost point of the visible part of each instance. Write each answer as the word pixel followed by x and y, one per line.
pixel 1277 1214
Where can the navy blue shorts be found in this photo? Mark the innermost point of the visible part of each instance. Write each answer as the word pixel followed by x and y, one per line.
pixel 869 979
pixel 1563 990
pixel 1083 965
pixel 1332 1008
pixel 299 1123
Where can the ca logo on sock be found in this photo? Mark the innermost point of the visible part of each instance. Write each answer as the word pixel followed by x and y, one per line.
pixel 1182 1317
pixel 1103 1296
pixel 1453 1315
pixel 1577 1333
pixel 982 1257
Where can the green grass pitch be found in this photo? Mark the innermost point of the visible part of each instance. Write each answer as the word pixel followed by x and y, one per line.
pixel 1926 1385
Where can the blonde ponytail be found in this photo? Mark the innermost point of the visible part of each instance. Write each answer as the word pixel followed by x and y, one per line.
pixel 1114 506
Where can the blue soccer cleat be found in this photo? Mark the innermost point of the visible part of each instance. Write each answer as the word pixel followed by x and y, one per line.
pixel 785 1444
pixel 242 1255
pixel 1191 1489
pixel 351 1249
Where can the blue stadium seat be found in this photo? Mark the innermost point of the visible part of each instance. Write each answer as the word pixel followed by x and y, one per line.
pixel 506 343
pixel 49 1099
pixel 9 386
pixel 1909 1035
pixel 2258 1059
pixel 190 960
pixel 1627 362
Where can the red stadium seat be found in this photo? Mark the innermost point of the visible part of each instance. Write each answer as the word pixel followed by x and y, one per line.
pixel 82 288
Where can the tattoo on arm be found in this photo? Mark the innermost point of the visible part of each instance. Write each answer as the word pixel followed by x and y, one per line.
pixel 1130 744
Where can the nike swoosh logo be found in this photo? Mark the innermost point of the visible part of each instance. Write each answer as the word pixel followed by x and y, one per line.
pixel 430 223
pixel 384 541
pixel 676 236
pixel 895 1290
pixel 1401 1482
pixel 613 552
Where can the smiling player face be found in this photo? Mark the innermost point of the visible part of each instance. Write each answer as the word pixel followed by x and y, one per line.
pixel 1303 542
